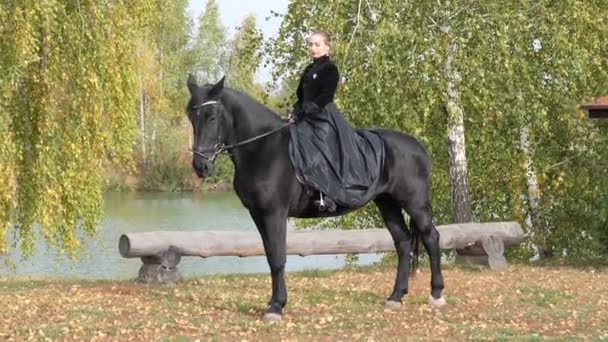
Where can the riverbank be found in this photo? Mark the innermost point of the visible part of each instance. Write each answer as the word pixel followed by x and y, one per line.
pixel 186 182
pixel 521 303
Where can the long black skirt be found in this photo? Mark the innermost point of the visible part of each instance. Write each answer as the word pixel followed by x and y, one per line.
pixel 329 155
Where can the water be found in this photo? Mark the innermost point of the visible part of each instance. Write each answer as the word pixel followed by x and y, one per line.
pixel 139 212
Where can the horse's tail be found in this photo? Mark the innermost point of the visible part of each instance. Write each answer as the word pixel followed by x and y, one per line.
pixel 415 248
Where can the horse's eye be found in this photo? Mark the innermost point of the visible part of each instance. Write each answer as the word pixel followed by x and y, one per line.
pixel 212 119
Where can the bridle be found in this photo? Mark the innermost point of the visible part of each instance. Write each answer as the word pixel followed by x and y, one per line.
pixel 219 146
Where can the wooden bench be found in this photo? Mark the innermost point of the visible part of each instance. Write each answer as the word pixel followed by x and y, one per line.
pixel 161 251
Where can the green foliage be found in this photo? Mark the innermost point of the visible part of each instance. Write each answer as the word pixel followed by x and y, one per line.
pixel 170 167
pixel 66 113
pixel 245 57
pixel 163 59
pixel 522 65
pixel 209 50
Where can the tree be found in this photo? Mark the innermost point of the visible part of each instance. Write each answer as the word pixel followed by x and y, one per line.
pixel 163 58
pixel 245 57
pixel 66 112
pixel 209 49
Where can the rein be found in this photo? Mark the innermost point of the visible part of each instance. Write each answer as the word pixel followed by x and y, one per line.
pixel 219 147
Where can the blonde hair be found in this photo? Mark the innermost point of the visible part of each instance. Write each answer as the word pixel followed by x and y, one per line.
pixel 326 37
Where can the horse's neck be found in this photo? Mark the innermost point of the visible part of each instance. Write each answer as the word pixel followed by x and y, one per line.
pixel 250 128
pixel 251 119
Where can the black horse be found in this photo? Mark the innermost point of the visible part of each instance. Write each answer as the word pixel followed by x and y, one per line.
pixel 225 119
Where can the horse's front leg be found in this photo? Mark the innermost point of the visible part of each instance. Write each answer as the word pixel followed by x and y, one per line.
pixel 272 228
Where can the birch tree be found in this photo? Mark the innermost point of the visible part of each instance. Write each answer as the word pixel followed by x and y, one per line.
pixel 245 57
pixel 210 45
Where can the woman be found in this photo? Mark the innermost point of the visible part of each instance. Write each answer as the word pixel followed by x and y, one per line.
pixel 327 153
pixel 319 80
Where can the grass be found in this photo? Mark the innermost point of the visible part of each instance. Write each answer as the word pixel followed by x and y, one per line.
pixel 523 303
pixel 542 297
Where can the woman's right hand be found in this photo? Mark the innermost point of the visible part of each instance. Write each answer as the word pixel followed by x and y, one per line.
pixel 291 118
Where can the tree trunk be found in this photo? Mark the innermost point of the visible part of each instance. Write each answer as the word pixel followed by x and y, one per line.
pixel 535 217
pixel 249 243
pixel 145 117
pixel 142 123
pixel 161 96
pixel 461 207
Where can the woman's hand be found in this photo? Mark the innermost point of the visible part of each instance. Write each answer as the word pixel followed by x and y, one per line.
pixel 291 118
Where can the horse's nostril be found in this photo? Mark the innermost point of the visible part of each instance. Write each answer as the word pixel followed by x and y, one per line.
pixel 197 164
pixel 201 166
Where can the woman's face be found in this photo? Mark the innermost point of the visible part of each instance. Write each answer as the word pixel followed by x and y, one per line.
pixel 317 46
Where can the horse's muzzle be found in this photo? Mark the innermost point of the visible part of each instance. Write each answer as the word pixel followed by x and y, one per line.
pixel 202 167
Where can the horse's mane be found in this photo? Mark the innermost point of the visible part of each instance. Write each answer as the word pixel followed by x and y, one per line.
pixel 243 102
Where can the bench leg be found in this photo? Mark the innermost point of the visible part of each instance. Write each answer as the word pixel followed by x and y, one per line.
pixel 160 269
pixel 490 253
pixel 495 248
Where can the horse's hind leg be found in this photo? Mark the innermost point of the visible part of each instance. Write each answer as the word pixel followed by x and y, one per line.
pixel 421 220
pixel 393 219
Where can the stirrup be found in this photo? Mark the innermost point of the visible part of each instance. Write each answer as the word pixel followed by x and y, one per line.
pixel 322 205
pixel 325 204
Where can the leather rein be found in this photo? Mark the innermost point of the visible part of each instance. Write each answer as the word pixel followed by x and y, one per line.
pixel 220 147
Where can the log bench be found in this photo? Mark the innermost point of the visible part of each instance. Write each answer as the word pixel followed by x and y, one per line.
pixel 161 251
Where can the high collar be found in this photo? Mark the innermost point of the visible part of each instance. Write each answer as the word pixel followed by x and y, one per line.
pixel 320 59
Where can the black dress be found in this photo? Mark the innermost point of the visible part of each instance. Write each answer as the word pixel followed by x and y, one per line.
pixel 328 154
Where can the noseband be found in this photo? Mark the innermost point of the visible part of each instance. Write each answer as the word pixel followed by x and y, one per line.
pixel 219 146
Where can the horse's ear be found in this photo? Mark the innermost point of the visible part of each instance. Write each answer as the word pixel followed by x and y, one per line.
pixel 217 88
pixel 192 83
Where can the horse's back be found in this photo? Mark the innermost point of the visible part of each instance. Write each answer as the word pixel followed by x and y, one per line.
pixel 401 141
pixel 407 163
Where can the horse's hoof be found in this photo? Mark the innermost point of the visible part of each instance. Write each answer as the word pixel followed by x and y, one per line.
pixel 437 303
pixel 392 305
pixel 270 317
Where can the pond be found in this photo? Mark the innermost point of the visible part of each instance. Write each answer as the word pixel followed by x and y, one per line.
pixel 139 212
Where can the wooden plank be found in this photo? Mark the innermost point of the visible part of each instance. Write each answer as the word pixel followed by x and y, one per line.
pixel 249 243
